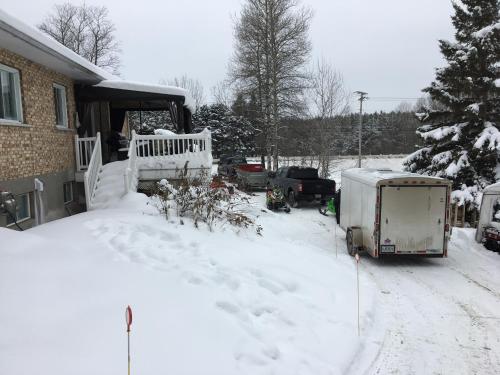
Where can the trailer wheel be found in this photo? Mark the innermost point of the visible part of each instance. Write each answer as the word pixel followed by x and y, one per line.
pixel 350 248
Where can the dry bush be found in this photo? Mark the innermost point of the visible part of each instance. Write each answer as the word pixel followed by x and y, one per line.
pixel 195 198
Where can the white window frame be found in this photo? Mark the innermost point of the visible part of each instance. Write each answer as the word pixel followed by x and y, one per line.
pixel 64 100
pixel 17 93
pixel 20 220
pixel 70 184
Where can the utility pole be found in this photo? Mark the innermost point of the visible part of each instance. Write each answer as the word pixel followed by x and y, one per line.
pixel 362 97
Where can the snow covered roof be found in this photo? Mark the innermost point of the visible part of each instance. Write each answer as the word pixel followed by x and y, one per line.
pixel 145 87
pixel 32 44
pixel 376 176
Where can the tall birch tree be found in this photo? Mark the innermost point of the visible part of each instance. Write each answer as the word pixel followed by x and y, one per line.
pixel 272 49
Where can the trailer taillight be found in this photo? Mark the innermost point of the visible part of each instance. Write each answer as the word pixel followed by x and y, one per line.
pixel 299 188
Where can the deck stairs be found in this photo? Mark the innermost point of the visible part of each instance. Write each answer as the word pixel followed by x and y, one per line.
pixel 150 158
pixel 110 187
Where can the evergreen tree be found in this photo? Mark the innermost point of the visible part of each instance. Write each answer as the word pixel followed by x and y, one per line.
pixel 462 138
pixel 231 134
pixel 146 122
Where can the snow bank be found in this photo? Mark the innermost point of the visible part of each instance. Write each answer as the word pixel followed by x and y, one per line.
pixel 204 303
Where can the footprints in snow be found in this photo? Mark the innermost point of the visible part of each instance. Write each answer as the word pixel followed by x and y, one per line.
pixel 249 296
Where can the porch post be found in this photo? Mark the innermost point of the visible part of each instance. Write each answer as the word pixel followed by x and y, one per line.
pixel 180 117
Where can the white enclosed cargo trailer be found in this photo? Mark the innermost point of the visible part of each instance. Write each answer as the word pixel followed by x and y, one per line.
pixel 386 212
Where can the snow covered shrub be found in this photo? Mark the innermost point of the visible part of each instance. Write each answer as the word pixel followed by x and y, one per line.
pixel 197 199
pixel 164 191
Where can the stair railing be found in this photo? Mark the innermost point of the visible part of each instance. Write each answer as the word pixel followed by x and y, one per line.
pixel 131 172
pixel 91 176
pixel 83 148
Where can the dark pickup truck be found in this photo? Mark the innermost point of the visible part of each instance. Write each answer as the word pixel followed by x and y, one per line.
pixel 302 184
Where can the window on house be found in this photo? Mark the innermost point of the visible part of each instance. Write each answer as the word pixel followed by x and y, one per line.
pixel 10 94
pixel 61 107
pixel 68 192
pixel 23 209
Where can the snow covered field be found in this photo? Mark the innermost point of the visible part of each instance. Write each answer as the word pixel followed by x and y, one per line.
pixel 394 162
pixel 224 302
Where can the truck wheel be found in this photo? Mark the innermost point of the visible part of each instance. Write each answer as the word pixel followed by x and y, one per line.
pixel 350 247
pixel 491 245
pixel 292 200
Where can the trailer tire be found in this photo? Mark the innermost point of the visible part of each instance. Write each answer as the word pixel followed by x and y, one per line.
pixel 349 241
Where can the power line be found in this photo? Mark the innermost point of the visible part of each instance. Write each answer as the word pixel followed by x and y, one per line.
pixel 387 98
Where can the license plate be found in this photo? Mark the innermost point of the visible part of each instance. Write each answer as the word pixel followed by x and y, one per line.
pixel 387 248
pixel 317 196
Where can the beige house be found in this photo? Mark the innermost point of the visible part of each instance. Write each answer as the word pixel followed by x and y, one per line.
pixel 56 112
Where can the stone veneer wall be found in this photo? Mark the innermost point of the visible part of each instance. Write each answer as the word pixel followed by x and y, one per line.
pixel 38 147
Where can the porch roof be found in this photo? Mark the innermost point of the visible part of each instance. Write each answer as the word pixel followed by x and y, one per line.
pixel 131 95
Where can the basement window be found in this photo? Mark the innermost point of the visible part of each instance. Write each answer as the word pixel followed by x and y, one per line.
pixel 68 192
pixel 10 95
pixel 23 209
pixel 60 106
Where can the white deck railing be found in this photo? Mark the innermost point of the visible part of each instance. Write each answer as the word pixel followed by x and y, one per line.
pixel 160 156
pixel 149 156
pixel 84 148
pixel 91 175
pixel 178 145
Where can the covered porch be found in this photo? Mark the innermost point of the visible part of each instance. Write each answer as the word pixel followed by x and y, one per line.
pixel 103 111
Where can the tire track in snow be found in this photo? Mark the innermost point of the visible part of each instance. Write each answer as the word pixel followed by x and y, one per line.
pixel 477 354
pixel 478 329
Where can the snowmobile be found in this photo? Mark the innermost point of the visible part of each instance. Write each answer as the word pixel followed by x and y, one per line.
pixel 275 200
pixel 329 208
pixel 332 207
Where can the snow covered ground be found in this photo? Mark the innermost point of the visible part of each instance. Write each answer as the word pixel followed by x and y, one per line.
pixel 442 315
pixel 227 302
pixel 204 303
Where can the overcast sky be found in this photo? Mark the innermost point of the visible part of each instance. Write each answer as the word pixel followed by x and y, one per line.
pixel 387 48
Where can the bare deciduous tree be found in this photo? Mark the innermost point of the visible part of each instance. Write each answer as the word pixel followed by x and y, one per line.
pixel 86 30
pixel 329 98
pixel 194 87
pixel 223 94
pixel 425 103
pixel 271 50
pixel 404 106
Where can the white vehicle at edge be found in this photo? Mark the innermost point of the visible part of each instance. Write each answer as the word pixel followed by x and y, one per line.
pixel 386 212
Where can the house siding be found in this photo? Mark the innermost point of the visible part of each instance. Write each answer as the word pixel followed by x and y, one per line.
pixel 39 148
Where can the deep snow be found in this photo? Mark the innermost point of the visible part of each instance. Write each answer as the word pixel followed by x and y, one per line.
pixel 204 303
pixel 224 302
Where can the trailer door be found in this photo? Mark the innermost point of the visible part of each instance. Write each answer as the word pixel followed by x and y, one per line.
pixel 412 219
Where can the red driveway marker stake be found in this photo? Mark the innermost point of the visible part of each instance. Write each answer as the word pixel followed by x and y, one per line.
pixel 128 320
